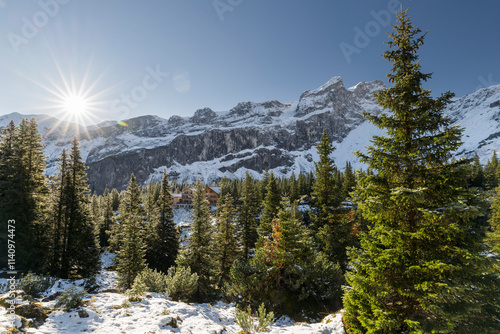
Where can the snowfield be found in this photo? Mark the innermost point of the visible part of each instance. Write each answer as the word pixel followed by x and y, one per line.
pixel 109 312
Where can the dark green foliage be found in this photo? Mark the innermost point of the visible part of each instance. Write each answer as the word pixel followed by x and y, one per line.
pixel 286 273
pixel 420 267
pixel 226 243
pixel 107 219
pixel 247 218
pixel 163 245
pixel 476 178
pixel 35 285
pixel 22 192
pixel 149 280
pixel 494 234
pixel 128 236
pixel 72 297
pixel 198 254
pixel 491 172
pixel 271 206
pixel 349 181
pixel 181 283
pixel 73 249
pixel 326 188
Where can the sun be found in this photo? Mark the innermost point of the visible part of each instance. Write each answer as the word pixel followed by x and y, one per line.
pixel 76 105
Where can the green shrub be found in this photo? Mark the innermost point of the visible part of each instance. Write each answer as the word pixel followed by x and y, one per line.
pixel 181 283
pixel 34 285
pixel 248 324
pixel 71 297
pixel 149 280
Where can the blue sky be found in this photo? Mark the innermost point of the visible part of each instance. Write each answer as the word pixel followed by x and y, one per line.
pixel 172 57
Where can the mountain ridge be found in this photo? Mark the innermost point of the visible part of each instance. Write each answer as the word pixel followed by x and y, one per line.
pixel 253 136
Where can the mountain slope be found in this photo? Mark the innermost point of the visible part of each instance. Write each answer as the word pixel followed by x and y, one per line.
pixel 251 136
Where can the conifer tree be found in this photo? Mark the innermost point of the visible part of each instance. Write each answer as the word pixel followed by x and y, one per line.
pixel 420 267
pixel 327 190
pixel 271 206
pixel 477 174
pixel 23 190
pixel 198 253
pixel 294 188
pixel 248 217
pixel 127 236
pixel 491 172
pixel 107 218
pixel 349 181
pixel 164 246
pixel 80 255
pixel 494 234
pixel 226 243
pixel 115 199
pixel 286 273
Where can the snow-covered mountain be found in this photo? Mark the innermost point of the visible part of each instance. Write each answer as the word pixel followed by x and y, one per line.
pixel 251 136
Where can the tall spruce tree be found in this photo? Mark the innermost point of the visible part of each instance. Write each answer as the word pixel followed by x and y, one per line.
pixel 226 243
pixel 128 235
pixel 271 206
pixel 107 218
pixel 491 172
pixel 198 253
pixel 248 217
pixel 477 178
pixel 421 266
pixel 494 234
pixel 287 273
pixel 80 255
pixel 164 245
pixel 349 181
pixel 23 191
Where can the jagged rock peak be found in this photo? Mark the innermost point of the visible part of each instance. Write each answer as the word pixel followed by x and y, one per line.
pixel 203 116
pixel 241 108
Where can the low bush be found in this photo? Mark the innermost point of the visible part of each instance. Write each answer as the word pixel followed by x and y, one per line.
pixel 35 285
pixel 71 297
pixel 249 325
pixel 181 283
pixel 149 280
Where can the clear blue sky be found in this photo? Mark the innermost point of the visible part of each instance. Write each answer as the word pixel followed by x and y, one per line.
pixel 218 53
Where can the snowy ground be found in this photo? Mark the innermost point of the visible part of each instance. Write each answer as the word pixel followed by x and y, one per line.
pixel 109 313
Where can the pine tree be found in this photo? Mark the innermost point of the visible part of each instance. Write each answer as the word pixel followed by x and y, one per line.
pixel 107 218
pixel 248 217
pixel 127 236
pixel 349 181
pixel 286 273
pixel 420 268
pixel 80 255
pixel 23 190
pixel 491 172
pixel 494 235
pixel 326 189
pixel 164 246
pixel 477 174
pixel 198 253
pixel 294 188
pixel 271 206
pixel 226 244
pixel 115 199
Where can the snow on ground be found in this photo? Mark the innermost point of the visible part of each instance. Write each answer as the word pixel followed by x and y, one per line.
pixel 108 312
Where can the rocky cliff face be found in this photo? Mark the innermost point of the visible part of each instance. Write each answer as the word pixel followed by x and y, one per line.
pixel 251 136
